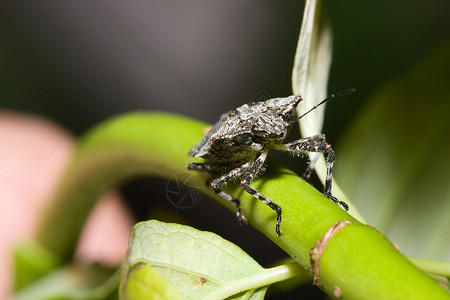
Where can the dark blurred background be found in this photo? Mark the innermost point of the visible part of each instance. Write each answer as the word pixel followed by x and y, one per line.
pixel 79 62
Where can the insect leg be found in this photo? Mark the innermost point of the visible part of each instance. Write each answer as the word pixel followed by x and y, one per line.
pixel 310 167
pixel 248 177
pixel 223 180
pixel 318 143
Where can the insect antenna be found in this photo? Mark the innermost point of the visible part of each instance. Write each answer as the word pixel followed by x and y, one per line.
pixel 338 94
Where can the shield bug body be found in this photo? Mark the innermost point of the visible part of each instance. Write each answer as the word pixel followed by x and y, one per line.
pixel 237 146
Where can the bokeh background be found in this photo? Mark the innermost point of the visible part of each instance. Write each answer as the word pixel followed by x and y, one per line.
pixel 80 62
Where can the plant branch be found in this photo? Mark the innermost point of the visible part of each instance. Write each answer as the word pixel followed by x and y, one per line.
pixel 358 259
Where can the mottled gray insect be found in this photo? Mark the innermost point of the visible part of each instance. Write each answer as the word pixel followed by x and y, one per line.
pixel 237 146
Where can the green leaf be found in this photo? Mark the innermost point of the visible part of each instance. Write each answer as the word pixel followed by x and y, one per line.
pixel 397 162
pixel 312 65
pixel 32 261
pixel 73 282
pixel 146 283
pixel 193 263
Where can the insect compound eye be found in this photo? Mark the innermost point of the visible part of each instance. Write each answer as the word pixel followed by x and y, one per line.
pixel 296 101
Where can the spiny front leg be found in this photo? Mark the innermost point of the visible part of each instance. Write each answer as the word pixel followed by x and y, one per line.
pixel 317 143
pixel 307 174
pixel 248 177
pixel 223 180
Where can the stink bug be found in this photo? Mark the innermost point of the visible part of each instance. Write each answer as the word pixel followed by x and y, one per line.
pixel 237 146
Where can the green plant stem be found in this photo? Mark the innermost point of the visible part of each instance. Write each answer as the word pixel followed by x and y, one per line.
pixel 432 267
pixel 358 259
pixel 266 277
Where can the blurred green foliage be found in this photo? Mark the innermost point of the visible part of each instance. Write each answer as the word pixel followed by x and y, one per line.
pixel 394 163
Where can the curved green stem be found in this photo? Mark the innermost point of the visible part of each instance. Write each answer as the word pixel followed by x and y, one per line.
pixel 264 278
pixel 358 259
pixel 138 143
